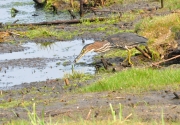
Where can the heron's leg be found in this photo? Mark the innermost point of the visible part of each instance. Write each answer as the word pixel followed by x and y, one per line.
pixel 128 58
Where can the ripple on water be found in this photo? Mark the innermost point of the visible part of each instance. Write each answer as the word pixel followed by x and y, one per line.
pixel 39 63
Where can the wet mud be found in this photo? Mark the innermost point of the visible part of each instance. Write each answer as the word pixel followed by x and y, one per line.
pixel 60 101
pixel 59 104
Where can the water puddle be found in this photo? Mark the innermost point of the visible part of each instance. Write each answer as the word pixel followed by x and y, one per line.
pixel 26 10
pixel 39 63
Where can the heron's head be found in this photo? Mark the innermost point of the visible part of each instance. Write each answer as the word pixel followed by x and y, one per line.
pixel 87 48
pixel 97 46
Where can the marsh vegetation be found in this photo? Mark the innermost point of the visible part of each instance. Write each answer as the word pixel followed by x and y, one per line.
pixel 135 95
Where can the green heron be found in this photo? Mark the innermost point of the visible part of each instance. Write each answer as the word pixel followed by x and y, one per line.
pixel 125 41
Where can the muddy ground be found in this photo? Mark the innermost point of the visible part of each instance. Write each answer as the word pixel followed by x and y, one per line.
pixel 63 102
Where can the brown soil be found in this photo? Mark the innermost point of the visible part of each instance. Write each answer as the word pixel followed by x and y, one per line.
pixel 60 101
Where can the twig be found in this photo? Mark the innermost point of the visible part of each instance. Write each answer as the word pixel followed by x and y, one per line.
pixel 148 51
pixel 157 63
pixel 88 114
pixel 127 117
pixel 15 21
pixel 120 97
pixel 144 53
pixel 66 82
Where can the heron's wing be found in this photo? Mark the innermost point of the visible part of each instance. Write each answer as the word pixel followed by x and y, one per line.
pixel 126 39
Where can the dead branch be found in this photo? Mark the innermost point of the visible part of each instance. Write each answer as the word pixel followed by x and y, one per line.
pixel 148 51
pixel 88 114
pixel 15 21
pixel 127 117
pixel 143 52
pixel 157 63
pixel 75 21
pixel 120 98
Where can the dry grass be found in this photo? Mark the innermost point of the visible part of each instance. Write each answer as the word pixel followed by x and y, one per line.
pixel 157 27
pixel 4 36
pixel 159 31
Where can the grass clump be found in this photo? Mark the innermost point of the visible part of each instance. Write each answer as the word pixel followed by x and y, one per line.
pixel 172 4
pixel 137 80
pixel 40 32
pixel 160 32
pixel 14 103
pixel 78 75
pixel 46 32
pixel 34 119
pixel 158 26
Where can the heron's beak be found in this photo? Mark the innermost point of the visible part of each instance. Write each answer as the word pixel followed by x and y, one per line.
pixel 83 52
pixel 79 56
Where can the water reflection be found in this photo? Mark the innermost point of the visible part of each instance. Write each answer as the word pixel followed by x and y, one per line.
pixel 26 10
pixel 42 61
pixel 45 45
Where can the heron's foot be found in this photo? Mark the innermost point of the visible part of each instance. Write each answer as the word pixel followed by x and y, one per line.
pixel 127 62
pixel 128 59
pixel 130 63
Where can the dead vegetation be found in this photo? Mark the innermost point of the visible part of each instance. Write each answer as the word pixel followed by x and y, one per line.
pixel 4 36
pixel 161 34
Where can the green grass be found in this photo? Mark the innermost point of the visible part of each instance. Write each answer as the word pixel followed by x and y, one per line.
pixel 172 4
pixel 160 31
pixel 34 119
pixel 6 104
pixel 137 80
pixel 94 122
pixel 119 53
pixel 14 103
pixel 77 75
pixel 38 32
pixel 81 121
pixel 158 25
pixel 115 119
pixel 154 28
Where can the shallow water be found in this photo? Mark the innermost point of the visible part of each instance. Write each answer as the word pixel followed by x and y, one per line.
pixel 26 9
pixel 38 63
pixel 51 66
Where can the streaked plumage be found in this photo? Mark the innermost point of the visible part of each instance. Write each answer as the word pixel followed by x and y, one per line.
pixel 120 40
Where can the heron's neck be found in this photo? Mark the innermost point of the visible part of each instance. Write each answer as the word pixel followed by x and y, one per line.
pixel 102 46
